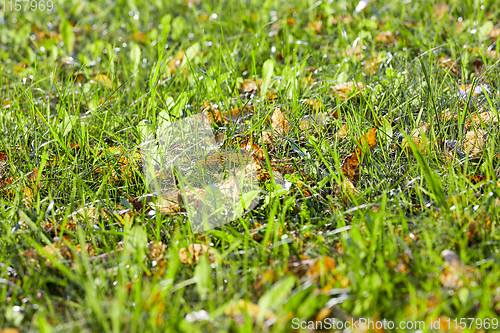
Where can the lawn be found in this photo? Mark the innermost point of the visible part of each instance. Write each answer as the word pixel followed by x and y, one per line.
pixel 370 129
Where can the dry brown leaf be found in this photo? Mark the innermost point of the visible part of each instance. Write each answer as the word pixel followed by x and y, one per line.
pixel 90 213
pixel 237 114
pixel 307 81
pixel 487 117
pixel 104 80
pixel 157 250
pixel 251 148
pixel 271 95
pixel 193 253
pixel 441 9
pixel 315 26
pixel 346 190
pixel 62 249
pixel 474 140
pixel 371 66
pixel 321 267
pixel 421 143
pixel 346 19
pixel 465 89
pixel 262 172
pixel 139 36
pixel 42 35
pixel 386 37
pixel 342 132
pixel 350 166
pixel 4 181
pixel 369 140
pixel 446 115
pixel 279 123
pixel 314 104
pixel 175 63
pixel 20 67
pixel 418 138
pixel 267 138
pixel 195 199
pixel 449 65
pixel 357 51
pixel 455 271
pixel 30 189
pixel 313 121
pixel 303 190
pixel 494 33
pixel 169 202
pixel 421 131
pixel 240 309
pixel 477 178
pixel 250 85
pixel 220 138
pixel 213 113
pixel 285 165
pixel 122 163
pixel 348 89
pixel 9 330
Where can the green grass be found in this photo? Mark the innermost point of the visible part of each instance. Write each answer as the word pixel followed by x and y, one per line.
pixel 386 240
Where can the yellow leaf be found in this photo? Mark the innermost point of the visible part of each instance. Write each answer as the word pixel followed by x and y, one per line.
pixel 348 89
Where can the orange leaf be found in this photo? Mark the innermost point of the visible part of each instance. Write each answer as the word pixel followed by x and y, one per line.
pixel 369 139
pixel 350 166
